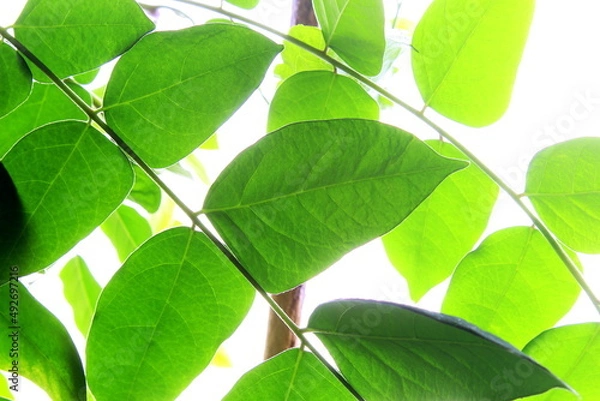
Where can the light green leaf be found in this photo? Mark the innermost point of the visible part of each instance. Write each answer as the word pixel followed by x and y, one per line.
pixel 513 285
pixel 81 290
pixel 127 230
pixel 247 4
pixel 573 353
pixel 46 104
pixel 145 192
pixel 466 55
pixel 45 352
pixel 355 30
pixel 75 36
pixel 5 392
pixel 166 311
pixel 319 95
pixel 296 59
pixel 293 375
pixel 69 179
pixel 303 196
pixel 212 143
pixel 563 184
pixel 16 79
pixel 426 247
pixel 165 113
pixel 395 352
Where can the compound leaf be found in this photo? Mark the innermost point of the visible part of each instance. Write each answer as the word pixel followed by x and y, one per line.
pixel 296 59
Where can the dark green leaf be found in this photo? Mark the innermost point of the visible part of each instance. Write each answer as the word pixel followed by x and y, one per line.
pixel 296 59
pixel 303 196
pixel 248 4
pixel 293 375
pixel 166 311
pixel 45 352
pixel 395 352
pixel 16 79
pixel 69 179
pixel 563 184
pixel 319 95
pixel 127 230
pixel 75 36
pixel 426 247
pixel 513 285
pixel 165 113
pixel 145 192
pixel 466 55
pixel 355 30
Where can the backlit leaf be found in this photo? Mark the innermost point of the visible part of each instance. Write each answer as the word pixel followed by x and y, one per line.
pixel 126 229
pixel 248 4
pixel 16 79
pixel 145 192
pixel 296 59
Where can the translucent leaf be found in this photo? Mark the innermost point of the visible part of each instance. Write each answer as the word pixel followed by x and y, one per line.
pixel 513 285
pixel 319 95
pixel 127 230
pixel 172 303
pixel 45 352
pixel 296 59
pixel 145 192
pixel 303 196
pixel 75 36
pixel 16 79
pixel 165 113
pixel 426 247
pixel 355 30
pixel 573 354
pixel 395 352
pixel 563 184
pixel 5 392
pixel 466 55
pixel 293 375
pixel 81 290
pixel 69 179
pixel 248 4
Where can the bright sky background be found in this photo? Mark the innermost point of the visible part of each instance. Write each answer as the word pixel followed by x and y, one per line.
pixel 560 68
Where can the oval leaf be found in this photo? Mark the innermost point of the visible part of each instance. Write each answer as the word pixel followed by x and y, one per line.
pixel 247 4
pixel 426 247
pixel 165 113
pixel 145 192
pixel 172 303
pixel 69 179
pixel 563 184
pixel 16 79
pixel 395 352
pixel 513 285
pixel 319 95
pixel 293 375
pixel 126 229
pixel 303 196
pixel 296 59
pixel 466 55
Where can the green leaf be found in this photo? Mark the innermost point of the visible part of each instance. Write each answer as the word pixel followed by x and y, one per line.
pixel 45 353
pixel 296 59
pixel 293 375
pixel 563 184
pixel 247 4
pixel 395 352
pixel 466 56
pixel 46 104
pixel 573 353
pixel 69 179
pixel 5 392
pixel 81 290
pixel 127 230
pixel 513 285
pixel 76 36
pixel 355 30
pixel 167 310
pixel 303 196
pixel 145 192
pixel 165 113
pixel 16 79
pixel 426 247
pixel 319 95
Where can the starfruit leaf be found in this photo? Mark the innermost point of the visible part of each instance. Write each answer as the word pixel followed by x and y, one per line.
pixel 572 353
pixel 247 4
pixel 16 79
pixel 355 30
pixel 303 196
pixel 394 352
pixel 81 290
pixel 427 246
pixel 293 375
pixel 172 303
pixel 295 59
pixel 319 95
pixel 145 192
pixel 466 54
pixel 509 285
pixel 165 113
pixel 69 178
pixel 563 184
pixel 45 353
pixel 127 230
pixel 75 36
